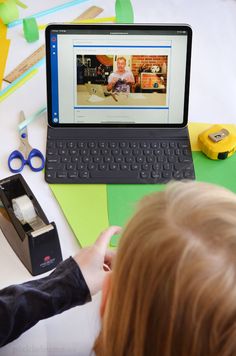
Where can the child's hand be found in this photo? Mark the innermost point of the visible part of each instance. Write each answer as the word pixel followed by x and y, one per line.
pixel 96 261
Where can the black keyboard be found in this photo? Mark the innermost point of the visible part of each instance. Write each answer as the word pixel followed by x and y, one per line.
pixel 114 161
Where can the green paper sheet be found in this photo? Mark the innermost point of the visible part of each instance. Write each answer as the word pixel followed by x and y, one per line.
pixel 217 172
pixel 122 200
pixel 85 208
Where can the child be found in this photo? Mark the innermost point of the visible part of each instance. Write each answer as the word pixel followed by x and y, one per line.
pixel 172 291
pixel 173 287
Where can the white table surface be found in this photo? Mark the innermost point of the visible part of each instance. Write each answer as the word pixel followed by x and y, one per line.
pixel 212 100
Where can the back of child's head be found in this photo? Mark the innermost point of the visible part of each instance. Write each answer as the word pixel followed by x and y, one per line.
pixel 173 288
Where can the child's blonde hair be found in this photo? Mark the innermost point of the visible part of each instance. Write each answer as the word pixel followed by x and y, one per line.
pixel 173 288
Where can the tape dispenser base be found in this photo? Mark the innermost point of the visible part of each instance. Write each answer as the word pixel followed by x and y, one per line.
pixel 27 229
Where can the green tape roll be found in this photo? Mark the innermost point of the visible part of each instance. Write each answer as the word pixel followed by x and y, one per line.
pixel 8 11
pixel 124 11
pixel 30 28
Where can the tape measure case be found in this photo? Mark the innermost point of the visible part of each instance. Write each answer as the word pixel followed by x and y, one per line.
pixel 217 142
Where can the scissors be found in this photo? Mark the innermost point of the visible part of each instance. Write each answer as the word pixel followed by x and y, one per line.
pixel 25 152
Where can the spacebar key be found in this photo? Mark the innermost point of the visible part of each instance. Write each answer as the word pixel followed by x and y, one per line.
pixel 112 174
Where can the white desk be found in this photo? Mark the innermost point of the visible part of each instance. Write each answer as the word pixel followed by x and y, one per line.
pixel 212 99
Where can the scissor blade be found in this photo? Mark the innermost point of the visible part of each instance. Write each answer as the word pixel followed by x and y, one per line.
pixel 22 118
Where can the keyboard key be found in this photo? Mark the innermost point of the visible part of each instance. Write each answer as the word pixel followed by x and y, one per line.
pixel 108 159
pixel 146 167
pixel 178 175
pixel 65 159
pixel 70 166
pixel 92 166
pixel 50 175
pixel 114 166
pixel 150 159
pixel 144 175
pixel 144 144
pixel 53 159
pixel 71 144
pixel 129 159
pixel 102 167
pixel 92 144
pixel 166 174
pixel 135 167
pixel 94 152
pixel 84 174
pixel 81 166
pixel 86 159
pixel 114 174
pixel 119 159
pixel 62 174
pixel 126 152
pixel 102 144
pixel 155 144
pixel 115 152
pixel 75 159
pixel 51 144
pixel 61 144
pixel 112 144
pixel 156 175
pixel 124 166
pixel 51 151
pixel 81 144
pixel 63 151
pixel 73 174
pixel 133 144
pixel 140 159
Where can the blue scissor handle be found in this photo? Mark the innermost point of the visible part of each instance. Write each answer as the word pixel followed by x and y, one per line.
pixel 16 155
pixel 35 153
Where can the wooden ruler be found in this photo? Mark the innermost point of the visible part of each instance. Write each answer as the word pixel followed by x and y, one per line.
pixel 90 13
pixel 26 64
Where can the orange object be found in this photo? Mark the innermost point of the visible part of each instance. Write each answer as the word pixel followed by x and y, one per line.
pixel 4 45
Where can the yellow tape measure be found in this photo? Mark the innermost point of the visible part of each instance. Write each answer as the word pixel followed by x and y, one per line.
pixel 217 142
pixel 26 64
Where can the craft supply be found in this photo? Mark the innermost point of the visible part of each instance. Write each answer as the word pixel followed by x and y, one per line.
pixel 86 220
pixel 17 84
pixel 8 11
pixel 26 64
pixel 217 142
pixel 25 153
pixel 30 29
pixel 23 209
pixel 4 45
pixel 31 118
pixel 14 86
pixel 3 30
pixel 32 237
pixel 124 11
pixel 90 13
pixel 49 11
pixel 21 4
pixel 98 20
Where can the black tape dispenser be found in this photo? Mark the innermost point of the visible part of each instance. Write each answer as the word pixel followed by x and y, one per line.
pixel 26 227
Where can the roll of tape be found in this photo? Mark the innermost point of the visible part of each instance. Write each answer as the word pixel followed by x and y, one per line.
pixel 30 28
pixel 23 209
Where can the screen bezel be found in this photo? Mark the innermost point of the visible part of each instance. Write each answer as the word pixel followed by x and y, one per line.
pixel 119 27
